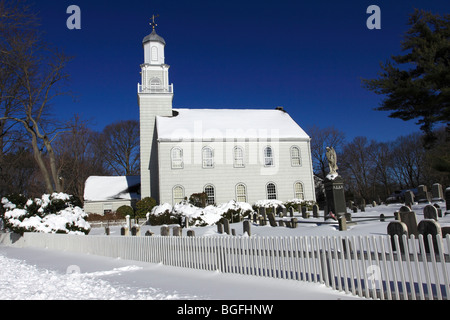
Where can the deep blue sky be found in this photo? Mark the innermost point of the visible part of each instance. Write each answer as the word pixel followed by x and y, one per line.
pixel 308 57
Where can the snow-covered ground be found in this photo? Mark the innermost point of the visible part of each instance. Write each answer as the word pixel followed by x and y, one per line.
pixel 27 273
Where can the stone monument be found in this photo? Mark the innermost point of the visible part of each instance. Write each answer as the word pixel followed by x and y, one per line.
pixel 334 186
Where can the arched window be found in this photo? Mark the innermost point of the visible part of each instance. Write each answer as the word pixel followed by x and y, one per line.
pixel 238 154
pixel 298 191
pixel 177 158
pixel 178 194
pixel 155 84
pixel 268 157
pixel 207 157
pixel 296 160
pixel 271 191
pixel 241 193
pixel 210 194
pixel 154 53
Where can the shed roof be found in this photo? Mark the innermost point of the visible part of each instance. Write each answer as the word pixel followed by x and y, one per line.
pixel 102 188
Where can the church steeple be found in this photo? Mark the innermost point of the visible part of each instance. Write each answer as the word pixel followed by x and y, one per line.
pixel 155 73
pixel 155 96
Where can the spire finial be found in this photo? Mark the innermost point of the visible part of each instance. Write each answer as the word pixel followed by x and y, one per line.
pixel 153 23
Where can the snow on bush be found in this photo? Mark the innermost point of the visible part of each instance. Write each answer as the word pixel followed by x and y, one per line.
pixel 55 213
pixel 207 216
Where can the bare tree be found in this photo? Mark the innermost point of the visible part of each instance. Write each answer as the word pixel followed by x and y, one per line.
pixel 120 145
pixel 36 73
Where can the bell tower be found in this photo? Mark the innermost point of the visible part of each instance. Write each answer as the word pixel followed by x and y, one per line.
pixel 155 96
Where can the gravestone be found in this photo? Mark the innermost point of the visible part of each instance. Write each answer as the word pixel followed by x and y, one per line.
pixel 382 218
pixel 342 223
pixel 255 217
pixel 177 231
pixel 430 212
pixel 315 210
pixel 165 231
pixel 436 192
pixel 294 223
pixel 280 223
pixel 247 227
pixel 374 204
pixel 426 227
pixel 409 218
pixel 272 221
pixel 133 231
pixel 397 228
pixel 355 209
pixel 191 233
pixel 219 227
pixel 422 194
pixel 233 232
pixel 305 213
pixel 262 213
pixel 409 197
pixel 122 231
pixel 148 233
pixel 291 211
pixel 439 210
pixel 284 211
pixel 226 225
pixel 106 229
pixel 447 201
pixel 334 191
pixel 445 231
pixel 362 205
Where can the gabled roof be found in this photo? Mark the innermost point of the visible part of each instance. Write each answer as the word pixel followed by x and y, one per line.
pixel 224 124
pixel 102 188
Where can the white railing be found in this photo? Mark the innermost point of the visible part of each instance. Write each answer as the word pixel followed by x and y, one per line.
pixel 152 89
pixel 361 265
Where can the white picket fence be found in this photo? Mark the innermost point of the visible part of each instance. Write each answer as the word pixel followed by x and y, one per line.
pixel 360 265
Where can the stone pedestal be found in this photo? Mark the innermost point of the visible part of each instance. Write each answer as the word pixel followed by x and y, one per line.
pixel 334 191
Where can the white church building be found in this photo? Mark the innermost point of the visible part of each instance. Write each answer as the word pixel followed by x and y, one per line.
pixel 241 154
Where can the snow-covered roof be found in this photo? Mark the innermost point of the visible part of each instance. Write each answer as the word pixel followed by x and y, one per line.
pixel 102 188
pixel 222 124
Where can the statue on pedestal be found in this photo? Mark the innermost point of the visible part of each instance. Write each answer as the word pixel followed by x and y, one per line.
pixel 332 161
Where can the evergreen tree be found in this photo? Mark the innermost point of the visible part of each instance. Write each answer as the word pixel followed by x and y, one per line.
pixel 417 83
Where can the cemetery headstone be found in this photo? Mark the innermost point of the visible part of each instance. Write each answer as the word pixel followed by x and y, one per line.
pixel 436 192
pixel 247 227
pixel 439 210
pixel 409 197
pixel 177 231
pixel 334 191
pixel 382 218
pixel 445 231
pixel 133 231
pixel 426 227
pixel 226 225
pixel 272 221
pixel 305 213
pixel 294 223
pixel 430 212
pixel 219 227
pixel 315 210
pixel 165 231
pixel 342 223
pixel 422 194
pixel 447 201
pixel 288 223
pixel 255 217
pixel 191 233
pixel 409 218
pixel 397 228
pixel 280 223
pixel 291 211
pixel 122 231
pixel 233 232
pixel 106 230
pixel 148 233
pixel 262 213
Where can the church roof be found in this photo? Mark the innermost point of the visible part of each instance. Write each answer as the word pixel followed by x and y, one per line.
pixel 201 124
pixel 154 37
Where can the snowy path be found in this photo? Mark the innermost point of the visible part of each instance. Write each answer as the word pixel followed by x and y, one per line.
pixel 27 273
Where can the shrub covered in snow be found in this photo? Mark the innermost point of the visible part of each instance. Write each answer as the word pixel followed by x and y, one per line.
pixel 55 213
